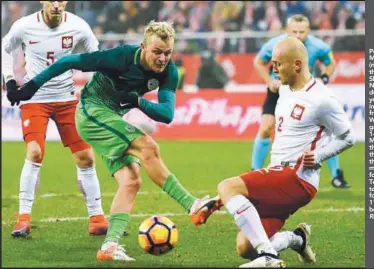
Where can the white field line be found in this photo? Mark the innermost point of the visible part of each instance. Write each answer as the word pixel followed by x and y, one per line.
pixel 49 195
pixel 171 214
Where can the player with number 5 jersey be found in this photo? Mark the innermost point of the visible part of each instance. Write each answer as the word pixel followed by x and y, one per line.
pixel 45 37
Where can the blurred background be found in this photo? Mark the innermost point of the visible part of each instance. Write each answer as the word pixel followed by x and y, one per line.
pixel 223 36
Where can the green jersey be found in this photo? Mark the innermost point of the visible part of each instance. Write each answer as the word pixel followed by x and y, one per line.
pixel 119 69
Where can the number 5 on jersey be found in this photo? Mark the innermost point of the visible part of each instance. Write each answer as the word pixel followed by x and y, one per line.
pixel 50 58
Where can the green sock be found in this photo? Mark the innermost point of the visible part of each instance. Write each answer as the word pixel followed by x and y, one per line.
pixel 178 192
pixel 117 225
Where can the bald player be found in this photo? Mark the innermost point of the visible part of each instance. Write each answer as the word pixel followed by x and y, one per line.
pixel 318 51
pixel 260 201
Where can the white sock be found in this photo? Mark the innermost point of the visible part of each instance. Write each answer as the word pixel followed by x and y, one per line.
pixel 108 244
pixel 247 219
pixel 90 187
pixel 287 239
pixel 28 184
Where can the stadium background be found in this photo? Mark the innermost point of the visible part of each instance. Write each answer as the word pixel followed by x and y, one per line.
pixel 234 31
pixel 220 122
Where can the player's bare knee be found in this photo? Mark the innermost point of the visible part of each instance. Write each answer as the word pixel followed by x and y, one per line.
pixel 267 125
pixel 231 187
pixel 34 152
pixel 84 158
pixel 265 130
pixel 129 177
pixel 225 189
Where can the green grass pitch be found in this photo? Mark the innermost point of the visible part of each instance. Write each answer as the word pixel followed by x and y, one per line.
pixel 336 216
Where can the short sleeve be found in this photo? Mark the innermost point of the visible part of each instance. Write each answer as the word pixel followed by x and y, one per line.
pixel 332 116
pixel 89 40
pixel 325 55
pixel 266 51
pixel 13 39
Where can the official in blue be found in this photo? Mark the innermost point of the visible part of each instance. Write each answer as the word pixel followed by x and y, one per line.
pixel 297 26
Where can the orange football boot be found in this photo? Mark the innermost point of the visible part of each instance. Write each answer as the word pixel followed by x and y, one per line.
pixel 98 225
pixel 203 208
pixel 23 226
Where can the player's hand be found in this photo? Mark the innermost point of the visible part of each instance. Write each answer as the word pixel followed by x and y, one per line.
pixel 11 86
pixel 324 78
pixel 274 85
pixel 25 92
pixel 127 99
pixel 309 160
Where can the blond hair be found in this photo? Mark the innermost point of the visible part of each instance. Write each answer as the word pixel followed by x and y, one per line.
pixel 164 30
pixel 297 18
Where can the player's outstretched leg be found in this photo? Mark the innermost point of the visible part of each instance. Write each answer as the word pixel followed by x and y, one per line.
pixel 89 185
pixel 129 181
pixel 338 180
pixel 147 150
pixel 262 142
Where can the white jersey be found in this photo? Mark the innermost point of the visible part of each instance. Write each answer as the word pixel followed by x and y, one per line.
pixel 305 120
pixel 43 46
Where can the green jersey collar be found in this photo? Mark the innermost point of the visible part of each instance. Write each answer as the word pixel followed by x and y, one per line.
pixel 136 56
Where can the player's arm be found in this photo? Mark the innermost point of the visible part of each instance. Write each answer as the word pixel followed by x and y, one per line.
pixel 11 41
pixel 260 64
pixel 86 62
pixel 163 111
pixel 332 117
pixel 328 63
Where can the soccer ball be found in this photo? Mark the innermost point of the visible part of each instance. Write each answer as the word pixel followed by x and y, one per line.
pixel 157 235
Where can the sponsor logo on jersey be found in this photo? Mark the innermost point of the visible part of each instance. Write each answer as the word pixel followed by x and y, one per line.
pixel 152 84
pixel 67 42
pixel 297 112
pixel 33 42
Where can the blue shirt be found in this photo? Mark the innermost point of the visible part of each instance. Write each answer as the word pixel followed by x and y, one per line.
pixel 317 50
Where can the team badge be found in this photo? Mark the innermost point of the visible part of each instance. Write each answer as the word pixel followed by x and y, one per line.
pixel 153 84
pixel 297 112
pixel 130 128
pixel 67 42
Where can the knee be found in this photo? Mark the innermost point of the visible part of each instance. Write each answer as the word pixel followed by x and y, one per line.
pixel 133 183
pixel 231 187
pixel 34 152
pixel 225 189
pixel 84 158
pixel 265 130
pixel 132 178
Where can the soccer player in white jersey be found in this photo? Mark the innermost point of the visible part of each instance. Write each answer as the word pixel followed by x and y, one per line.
pixel 45 37
pixel 260 201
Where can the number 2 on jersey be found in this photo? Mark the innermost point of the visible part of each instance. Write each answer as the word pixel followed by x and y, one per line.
pixel 280 124
pixel 50 58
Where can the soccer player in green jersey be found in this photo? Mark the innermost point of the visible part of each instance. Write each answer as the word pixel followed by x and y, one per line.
pixel 123 75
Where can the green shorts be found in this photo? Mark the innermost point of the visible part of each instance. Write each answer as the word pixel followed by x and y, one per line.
pixel 107 133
